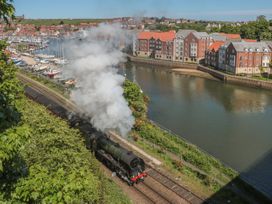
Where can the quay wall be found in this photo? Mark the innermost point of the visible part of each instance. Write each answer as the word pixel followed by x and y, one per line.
pixel 245 81
pixel 164 63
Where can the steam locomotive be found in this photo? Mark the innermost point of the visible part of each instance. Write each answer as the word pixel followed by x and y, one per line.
pixel 125 163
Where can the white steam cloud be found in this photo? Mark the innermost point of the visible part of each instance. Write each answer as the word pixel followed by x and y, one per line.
pixel 100 92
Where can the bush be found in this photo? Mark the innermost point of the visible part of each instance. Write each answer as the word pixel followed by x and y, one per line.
pixel 55 165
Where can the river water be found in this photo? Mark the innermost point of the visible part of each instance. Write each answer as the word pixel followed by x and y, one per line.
pixel 232 123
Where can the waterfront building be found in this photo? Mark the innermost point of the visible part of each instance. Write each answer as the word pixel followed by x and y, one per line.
pixel 212 54
pixel 158 45
pixel 179 44
pixel 248 58
pixel 195 45
pixel 222 57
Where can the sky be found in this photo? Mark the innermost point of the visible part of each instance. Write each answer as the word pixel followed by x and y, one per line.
pixel 226 10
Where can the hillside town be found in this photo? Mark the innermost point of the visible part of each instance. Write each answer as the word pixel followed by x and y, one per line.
pixel 227 52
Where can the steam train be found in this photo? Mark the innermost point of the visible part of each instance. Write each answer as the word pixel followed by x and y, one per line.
pixel 125 163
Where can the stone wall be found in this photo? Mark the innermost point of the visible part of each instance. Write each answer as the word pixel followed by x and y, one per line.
pixel 237 79
pixel 165 63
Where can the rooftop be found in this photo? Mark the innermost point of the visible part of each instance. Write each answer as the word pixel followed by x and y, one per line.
pixel 249 40
pixel 184 33
pixel 231 36
pixel 163 36
pixel 250 46
pixel 200 35
pixel 216 45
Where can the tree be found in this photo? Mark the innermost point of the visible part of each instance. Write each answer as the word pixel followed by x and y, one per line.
pixel 10 90
pixel 227 28
pixel 249 30
pixel 266 35
pixel 261 18
pixel 262 26
pixel 6 10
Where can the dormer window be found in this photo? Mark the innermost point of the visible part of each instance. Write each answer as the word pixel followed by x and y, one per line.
pixel 265 50
pixel 258 50
pixel 246 49
pixel 250 50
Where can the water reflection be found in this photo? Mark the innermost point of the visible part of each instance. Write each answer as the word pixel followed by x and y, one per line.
pixel 239 100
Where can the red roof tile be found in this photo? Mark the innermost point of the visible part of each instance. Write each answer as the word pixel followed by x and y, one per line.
pixel 249 40
pixel 231 36
pixel 216 45
pixel 163 36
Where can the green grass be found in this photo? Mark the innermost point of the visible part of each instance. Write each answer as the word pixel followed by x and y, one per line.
pixel 263 78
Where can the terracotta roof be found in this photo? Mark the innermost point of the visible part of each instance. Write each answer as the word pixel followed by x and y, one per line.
pixel 231 36
pixel 249 40
pixel 216 45
pixel 163 36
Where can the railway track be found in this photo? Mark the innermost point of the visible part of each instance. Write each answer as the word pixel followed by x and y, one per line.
pixel 150 194
pixel 157 188
pixel 172 185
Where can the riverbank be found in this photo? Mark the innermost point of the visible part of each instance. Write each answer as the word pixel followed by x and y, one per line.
pixel 238 80
pixel 173 67
pixel 197 70
pixel 166 63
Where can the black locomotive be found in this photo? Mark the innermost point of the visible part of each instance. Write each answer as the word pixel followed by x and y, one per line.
pixel 127 165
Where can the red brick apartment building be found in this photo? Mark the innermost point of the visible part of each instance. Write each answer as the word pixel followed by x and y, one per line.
pixel 248 57
pixel 158 45
pixel 195 45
